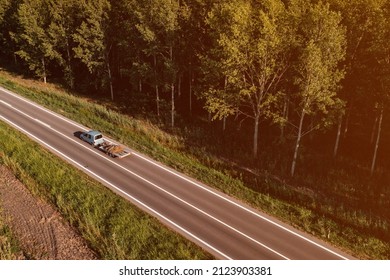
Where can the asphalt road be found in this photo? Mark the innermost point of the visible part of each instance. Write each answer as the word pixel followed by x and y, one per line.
pixel 225 227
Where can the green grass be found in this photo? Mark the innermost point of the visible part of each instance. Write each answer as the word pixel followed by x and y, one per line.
pixel 316 212
pixel 9 247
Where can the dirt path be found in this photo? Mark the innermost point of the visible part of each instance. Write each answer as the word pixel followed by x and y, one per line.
pixel 39 228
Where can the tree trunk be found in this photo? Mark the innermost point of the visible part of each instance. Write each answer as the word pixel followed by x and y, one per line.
pixel 107 58
pixel 285 116
pixel 179 86
pixel 138 73
pixel 173 105
pixel 336 145
pixel 256 137
pixel 191 80
pixel 377 142
pixel 373 130
pixel 346 124
pixel 156 85
pixel 69 72
pixel 294 162
pixel 44 70
pixel 157 100
pixel 172 91
pixel 110 79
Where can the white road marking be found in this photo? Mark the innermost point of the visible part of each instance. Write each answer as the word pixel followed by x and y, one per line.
pixel 42 123
pixel 186 179
pixel 116 188
pixel 7 104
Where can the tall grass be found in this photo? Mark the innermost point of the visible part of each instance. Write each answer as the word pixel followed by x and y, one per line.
pixel 320 212
pixel 9 248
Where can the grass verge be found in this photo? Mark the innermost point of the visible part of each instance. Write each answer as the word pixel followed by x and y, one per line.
pixel 326 219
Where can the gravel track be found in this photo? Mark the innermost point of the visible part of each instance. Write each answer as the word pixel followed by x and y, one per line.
pixel 41 231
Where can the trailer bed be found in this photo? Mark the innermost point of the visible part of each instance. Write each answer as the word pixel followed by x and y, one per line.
pixel 113 150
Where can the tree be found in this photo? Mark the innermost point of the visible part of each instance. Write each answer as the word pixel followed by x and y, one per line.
pixel 4 7
pixel 131 64
pixel 191 36
pixel 35 46
pixel 63 21
pixel 320 50
pixel 159 29
pixel 251 55
pixel 93 41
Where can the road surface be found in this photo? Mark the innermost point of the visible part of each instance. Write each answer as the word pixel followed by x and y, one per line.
pixel 221 225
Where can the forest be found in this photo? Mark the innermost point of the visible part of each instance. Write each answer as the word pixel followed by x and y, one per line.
pixel 298 89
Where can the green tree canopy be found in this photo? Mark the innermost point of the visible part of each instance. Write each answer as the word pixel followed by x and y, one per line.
pixel 35 45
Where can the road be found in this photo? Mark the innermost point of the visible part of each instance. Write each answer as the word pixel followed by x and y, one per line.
pixel 221 225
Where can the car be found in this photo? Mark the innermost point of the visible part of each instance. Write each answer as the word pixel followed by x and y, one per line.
pixel 93 137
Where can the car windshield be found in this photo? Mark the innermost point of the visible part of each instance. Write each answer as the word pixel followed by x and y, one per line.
pixel 98 136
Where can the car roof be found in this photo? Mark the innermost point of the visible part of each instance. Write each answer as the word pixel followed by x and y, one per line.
pixel 94 132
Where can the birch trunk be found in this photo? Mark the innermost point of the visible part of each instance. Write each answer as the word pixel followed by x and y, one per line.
pixel 44 70
pixel 191 80
pixel 256 137
pixel 294 162
pixel 172 91
pixel 157 100
pixel 173 105
pixel 179 87
pixel 346 124
pixel 373 130
pixel 377 142
pixel 285 116
pixel 156 85
pixel 336 145
pixel 110 79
